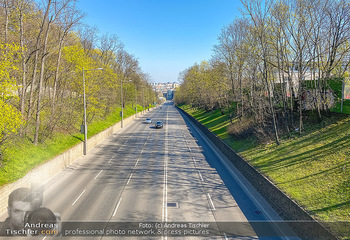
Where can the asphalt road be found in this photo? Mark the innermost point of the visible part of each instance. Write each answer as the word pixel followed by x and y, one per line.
pixel 144 177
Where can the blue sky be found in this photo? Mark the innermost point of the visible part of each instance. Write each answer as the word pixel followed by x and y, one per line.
pixel 166 36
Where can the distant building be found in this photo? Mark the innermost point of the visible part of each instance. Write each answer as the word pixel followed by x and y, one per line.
pixel 165 90
pixel 311 97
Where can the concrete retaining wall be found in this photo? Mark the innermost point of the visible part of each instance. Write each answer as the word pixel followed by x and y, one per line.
pixel 281 203
pixel 48 169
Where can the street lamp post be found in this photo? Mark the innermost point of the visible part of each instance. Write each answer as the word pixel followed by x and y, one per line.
pixel 121 96
pixel 143 101
pixel 148 99
pixel 135 101
pixel 85 124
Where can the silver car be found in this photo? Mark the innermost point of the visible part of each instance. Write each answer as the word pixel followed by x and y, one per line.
pixel 148 121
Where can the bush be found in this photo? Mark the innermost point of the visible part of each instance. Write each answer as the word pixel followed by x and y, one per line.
pixel 242 127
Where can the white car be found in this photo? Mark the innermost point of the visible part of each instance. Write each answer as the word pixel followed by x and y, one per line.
pixel 148 121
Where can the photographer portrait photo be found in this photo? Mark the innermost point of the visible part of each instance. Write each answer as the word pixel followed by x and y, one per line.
pixel 26 216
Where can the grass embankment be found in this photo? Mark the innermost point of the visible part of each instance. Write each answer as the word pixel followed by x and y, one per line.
pixel 346 107
pixel 21 155
pixel 313 169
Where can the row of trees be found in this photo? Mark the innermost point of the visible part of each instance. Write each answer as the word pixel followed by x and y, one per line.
pixel 267 61
pixel 44 48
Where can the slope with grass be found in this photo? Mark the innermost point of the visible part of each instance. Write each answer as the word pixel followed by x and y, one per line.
pixel 313 169
pixel 21 155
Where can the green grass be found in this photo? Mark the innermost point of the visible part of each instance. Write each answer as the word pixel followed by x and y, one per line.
pixel 110 120
pixel 22 155
pixel 213 120
pixel 218 124
pixel 313 169
pixel 346 107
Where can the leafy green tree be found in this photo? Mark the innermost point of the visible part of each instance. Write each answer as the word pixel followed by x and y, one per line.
pixel 79 59
pixel 10 117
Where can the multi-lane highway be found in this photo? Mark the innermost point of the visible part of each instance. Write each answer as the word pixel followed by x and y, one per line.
pixel 150 177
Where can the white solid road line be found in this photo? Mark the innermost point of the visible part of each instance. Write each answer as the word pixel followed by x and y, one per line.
pixel 111 159
pixel 116 208
pixel 129 179
pixel 165 191
pixel 98 174
pixel 200 175
pixel 78 197
pixel 165 188
pixel 211 202
pixel 166 165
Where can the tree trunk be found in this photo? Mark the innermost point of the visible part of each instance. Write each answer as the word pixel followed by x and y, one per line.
pixel 272 111
pixel 6 23
pixel 24 70
pixel 36 60
pixel 38 110
pixel 53 101
pixel 300 96
pixel 24 67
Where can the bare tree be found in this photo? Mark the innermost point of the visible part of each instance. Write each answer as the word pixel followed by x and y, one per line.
pixel 126 65
pixel 6 13
pixel 66 21
pixel 259 14
pixel 88 37
pixel 109 46
pixel 36 57
pixel 57 8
